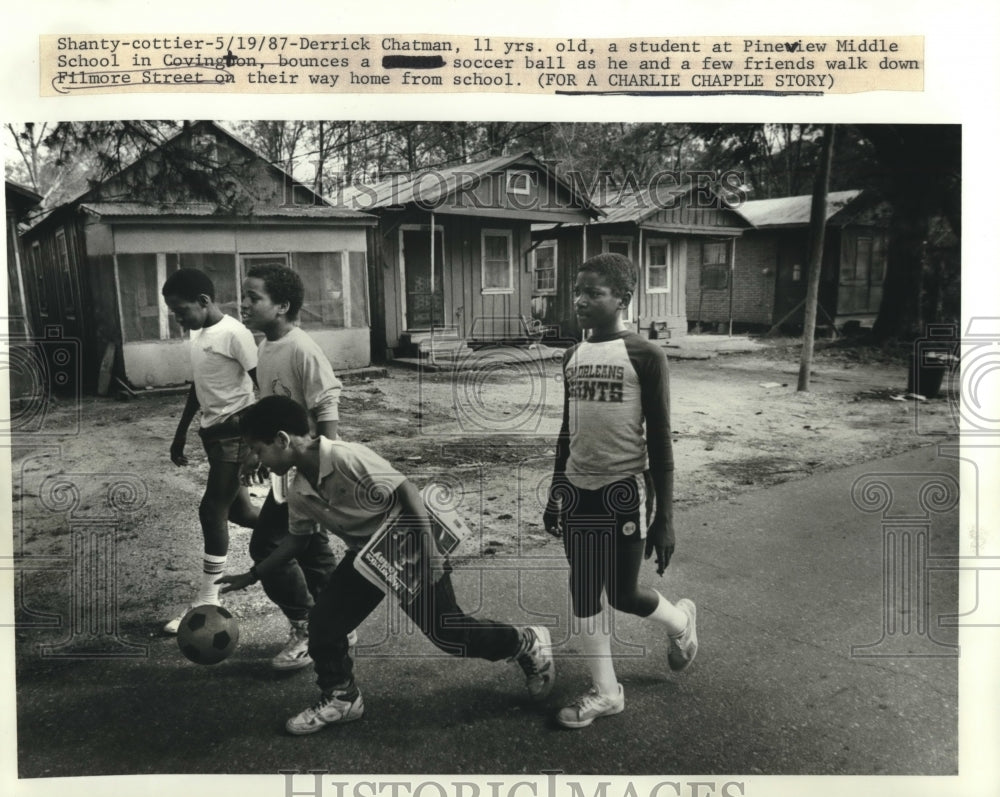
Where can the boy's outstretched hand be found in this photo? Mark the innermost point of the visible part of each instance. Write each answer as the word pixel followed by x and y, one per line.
pixel 236 583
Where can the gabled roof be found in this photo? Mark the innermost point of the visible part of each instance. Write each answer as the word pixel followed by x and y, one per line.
pixel 318 208
pixel 794 211
pixel 432 187
pixel 637 206
pixel 20 198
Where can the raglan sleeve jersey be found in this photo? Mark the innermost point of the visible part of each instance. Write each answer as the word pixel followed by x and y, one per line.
pixel 616 415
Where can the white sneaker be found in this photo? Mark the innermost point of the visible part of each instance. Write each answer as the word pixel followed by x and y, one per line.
pixel 589 706
pixel 343 707
pixel 295 654
pixel 536 661
pixel 174 624
pixel 684 646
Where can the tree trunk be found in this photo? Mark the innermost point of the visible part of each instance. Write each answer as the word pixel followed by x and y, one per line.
pixel 817 230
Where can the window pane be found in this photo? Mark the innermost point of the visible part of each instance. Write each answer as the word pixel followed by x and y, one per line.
pixel 545 269
pixel 359 296
pixel 65 274
pixel 323 278
pixel 496 265
pixel 863 260
pixel 659 277
pixel 619 248
pixel 139 297
pixel 714 252
pixel 221 269
pixel 714 277
pixel 496 247
pixel 41 294
pixel 658 254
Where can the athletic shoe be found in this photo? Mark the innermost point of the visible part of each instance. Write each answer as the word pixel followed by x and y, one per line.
pixel 295 654
pixel 331 708
pixel 684 646
pixel 589 706
pixel 174 624
pixel 537 663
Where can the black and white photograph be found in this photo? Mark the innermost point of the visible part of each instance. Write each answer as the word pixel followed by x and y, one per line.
pixel 357 448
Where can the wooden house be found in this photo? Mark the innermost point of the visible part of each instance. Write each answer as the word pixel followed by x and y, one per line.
pixel 672 236
pixel 26 375
pixel 20 202
pixel 471 280
pixel 205 200
pixel 771 264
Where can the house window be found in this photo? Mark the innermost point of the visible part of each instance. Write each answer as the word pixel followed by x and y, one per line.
pixel 544 257
pixel 714 265
pixel 145 315
pixel 221 269
pixel 617 246
pixel 862 261
pixel 204 151
pixel 520 183
pixel 39 271
pixel 139 282
pixel 797 272
pixel 336 293
pixel 657 266
pixel 498 261
pixel 65 274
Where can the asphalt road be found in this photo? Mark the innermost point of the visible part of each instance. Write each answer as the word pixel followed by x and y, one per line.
pixel 807 665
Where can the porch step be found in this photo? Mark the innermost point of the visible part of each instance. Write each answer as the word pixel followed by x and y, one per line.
pixel 441 347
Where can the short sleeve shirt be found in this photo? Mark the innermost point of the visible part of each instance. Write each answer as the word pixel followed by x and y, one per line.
pixel 295 366
pixel 354 494
pixel 221 357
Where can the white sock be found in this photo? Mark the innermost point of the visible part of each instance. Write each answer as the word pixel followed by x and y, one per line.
pixel 208 590
pixel 595 639
pixel 673 618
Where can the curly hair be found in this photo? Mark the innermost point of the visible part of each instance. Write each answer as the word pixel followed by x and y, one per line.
pixel 282 285
pixel 615 270
pixel 272 414
pixel 188 284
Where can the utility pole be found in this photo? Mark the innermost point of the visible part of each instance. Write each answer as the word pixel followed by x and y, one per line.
pixel 817 230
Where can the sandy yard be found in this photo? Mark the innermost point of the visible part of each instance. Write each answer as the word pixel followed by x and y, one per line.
pixel 485 435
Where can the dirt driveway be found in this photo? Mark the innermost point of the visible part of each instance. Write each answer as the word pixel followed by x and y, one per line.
pixel 485 435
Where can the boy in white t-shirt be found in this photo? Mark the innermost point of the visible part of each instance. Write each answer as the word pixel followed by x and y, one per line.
pixel 223 362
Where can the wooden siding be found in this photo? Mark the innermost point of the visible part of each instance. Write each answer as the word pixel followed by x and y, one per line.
pixel 466 308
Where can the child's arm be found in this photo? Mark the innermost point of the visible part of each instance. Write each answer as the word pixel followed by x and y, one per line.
pixel 290 547
pixel 191 407
pixel 552 518
pixel 321 391
pixel 654 387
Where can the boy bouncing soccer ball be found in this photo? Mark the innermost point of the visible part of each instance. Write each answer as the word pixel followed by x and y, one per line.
pixel 207 634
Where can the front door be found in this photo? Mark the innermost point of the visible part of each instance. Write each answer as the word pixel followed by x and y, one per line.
pixel 424 287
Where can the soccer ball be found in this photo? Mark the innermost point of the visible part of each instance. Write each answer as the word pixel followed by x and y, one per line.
pixel 207 634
